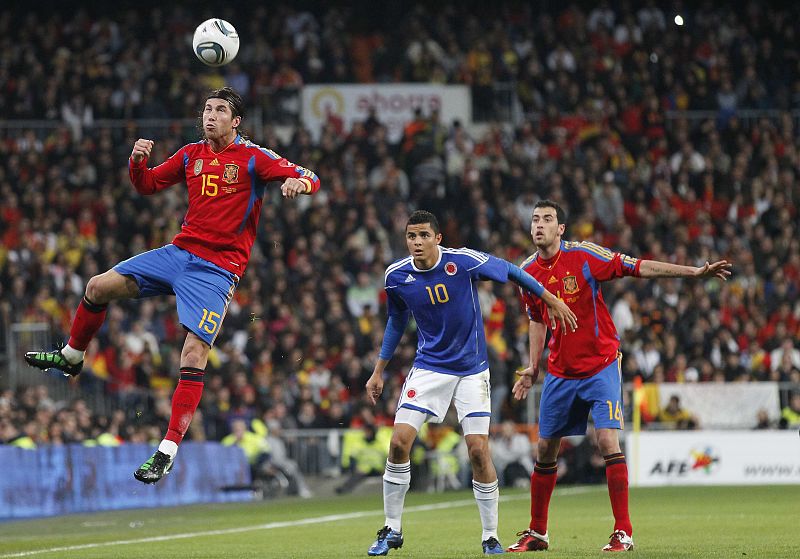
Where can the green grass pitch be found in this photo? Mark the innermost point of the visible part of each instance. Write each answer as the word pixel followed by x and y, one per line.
pixel 723 522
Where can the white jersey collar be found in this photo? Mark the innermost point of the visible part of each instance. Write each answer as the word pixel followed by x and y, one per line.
pixel 438 261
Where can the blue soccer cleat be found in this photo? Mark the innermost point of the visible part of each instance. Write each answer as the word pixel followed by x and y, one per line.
pixel 387 539
pixel 491 546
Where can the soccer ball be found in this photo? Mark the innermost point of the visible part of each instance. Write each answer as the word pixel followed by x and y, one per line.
pixel 215 42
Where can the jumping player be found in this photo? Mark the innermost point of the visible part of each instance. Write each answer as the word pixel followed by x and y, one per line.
pixel 226 178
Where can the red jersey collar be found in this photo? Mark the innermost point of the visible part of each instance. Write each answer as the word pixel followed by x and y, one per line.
pixel 237 140
pixel 548 263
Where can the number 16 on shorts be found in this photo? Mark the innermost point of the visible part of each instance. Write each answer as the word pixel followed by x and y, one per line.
pixel 615 412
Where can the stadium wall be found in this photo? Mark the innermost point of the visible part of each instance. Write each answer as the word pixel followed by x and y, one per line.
pixel 67 479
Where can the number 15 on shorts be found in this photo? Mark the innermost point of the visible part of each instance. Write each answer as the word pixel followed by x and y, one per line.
pixel 209 322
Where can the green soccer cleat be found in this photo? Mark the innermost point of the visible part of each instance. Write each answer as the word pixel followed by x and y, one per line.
pixel 54 359
pixel 156 467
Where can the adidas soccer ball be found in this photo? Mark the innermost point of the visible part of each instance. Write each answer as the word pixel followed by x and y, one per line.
pixel 215 42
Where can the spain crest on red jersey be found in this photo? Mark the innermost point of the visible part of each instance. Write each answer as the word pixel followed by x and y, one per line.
pixel 231 174
pixel 570 285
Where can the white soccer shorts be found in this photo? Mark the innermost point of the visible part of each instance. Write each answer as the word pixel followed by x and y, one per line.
pixel 431 393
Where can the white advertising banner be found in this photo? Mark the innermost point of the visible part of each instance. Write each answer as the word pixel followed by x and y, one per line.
pixel 713 457
pixel 394 104
pixel 730 405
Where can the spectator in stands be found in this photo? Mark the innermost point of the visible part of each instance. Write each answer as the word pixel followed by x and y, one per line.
pixel 363 295
pixel 254 446
pixel 762 420
pixel 364 454
pixel 673 416
pixel 607 200
pixel 512 454
pixel 278 458
pixel 790 414
pixel 10 435
pixel 785 358
pixel 582 463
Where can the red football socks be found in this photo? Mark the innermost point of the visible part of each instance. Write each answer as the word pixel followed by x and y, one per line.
pixel 543 481
pixel 88 320
pixel 184 402
pixel 617 477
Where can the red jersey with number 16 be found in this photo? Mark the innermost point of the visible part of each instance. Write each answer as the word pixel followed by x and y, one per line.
pixel 574 275
pixel 226 190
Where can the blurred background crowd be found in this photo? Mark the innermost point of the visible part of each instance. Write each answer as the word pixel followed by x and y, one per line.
pixel 601 90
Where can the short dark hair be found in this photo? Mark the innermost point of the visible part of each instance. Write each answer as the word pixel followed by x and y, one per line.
pixel 421 216
pixel 561 216
pixel 233 99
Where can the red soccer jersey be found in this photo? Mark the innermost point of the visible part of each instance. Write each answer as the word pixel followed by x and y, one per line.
pixel 574 275
pixel 226 190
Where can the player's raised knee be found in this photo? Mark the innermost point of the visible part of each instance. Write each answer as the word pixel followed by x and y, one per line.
pixel 195 352
pixel 97 291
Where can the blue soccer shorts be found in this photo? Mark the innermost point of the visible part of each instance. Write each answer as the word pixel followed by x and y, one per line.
pixel 566 403
pixel 202 289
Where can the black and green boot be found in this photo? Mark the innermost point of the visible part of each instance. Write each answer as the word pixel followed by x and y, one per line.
pixel 156 467
pixel 54 359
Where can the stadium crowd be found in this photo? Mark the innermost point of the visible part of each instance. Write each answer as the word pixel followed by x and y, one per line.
pixel 303 331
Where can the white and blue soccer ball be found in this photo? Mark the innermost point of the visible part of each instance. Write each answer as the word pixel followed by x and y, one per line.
pixel 215 42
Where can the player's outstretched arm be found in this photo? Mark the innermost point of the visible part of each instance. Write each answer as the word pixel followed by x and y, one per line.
pixel 656 269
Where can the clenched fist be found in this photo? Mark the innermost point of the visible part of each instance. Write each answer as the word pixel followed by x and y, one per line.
pixel 141 150
pixel 293 187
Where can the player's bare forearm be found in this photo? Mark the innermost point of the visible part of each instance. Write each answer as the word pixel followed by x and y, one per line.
pixel 537 334
pixel 656 269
